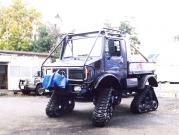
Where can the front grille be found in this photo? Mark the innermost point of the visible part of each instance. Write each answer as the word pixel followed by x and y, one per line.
pixel 54 70
pixel 63 71
pixel 75 74
pixel 60 71
pixel 72 74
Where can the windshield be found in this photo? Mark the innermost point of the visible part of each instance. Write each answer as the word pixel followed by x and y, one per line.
pixel 79 47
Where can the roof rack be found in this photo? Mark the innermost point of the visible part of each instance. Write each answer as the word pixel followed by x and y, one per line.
pixel 107 31
pixel 112 32
pixel 84 33
pixel 112 29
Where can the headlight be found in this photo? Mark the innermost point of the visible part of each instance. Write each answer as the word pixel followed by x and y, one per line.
pixel 77 88
pixel 88 73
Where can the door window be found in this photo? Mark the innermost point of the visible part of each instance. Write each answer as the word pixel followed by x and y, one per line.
pixel 114 47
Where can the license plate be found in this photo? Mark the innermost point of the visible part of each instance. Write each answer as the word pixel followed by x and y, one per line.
pixel 22 87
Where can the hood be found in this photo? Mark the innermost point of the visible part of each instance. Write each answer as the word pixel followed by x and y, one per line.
pixel 73 62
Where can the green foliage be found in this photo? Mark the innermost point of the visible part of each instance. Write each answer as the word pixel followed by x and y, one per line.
pixel 127 29
pixel 44 41
pixel 16 26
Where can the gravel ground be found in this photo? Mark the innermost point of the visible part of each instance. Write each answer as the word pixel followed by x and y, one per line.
pixel 25 115
pixel 168 90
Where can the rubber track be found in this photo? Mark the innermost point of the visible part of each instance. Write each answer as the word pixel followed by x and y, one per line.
pixel 68 104
pixel 52 106
pixel 139 97
pixel 103 109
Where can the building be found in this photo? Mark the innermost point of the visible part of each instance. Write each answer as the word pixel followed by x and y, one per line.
pixel 167 68
pixel 16 65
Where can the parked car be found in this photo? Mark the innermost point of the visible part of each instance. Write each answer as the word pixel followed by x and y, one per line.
pixel 31 85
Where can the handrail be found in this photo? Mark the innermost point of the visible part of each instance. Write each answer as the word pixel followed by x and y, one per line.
pixel 53 52
pixel 92 47
pixel 139 53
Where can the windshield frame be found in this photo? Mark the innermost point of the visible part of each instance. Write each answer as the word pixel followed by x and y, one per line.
pixel 96 38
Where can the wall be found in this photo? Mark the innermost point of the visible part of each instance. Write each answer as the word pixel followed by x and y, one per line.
pixel 21 67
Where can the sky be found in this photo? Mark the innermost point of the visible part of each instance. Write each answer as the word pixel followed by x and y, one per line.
pixel 156 21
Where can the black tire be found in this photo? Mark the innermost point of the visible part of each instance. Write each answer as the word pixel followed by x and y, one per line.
pixel 54 108
pixel 144 101
pixel 58 105
pixel 25 92
pixel 15 92
pixel 39 91
pixel 103 109
pixel 69 104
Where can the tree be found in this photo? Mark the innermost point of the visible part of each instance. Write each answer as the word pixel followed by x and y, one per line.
pixel 126 29
pixel 16 26
pixel 44 41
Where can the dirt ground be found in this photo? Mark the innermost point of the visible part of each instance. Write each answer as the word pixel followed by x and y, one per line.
pixel 25 115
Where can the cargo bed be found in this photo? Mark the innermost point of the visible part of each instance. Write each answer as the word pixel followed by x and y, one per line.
pixel 140 68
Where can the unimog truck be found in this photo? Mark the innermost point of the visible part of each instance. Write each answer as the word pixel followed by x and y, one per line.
pixel 98 66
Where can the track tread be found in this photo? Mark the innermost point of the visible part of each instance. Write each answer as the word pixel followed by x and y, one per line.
pixel 139 98
pixel 56 101
pixel 52 106
pixel 103 109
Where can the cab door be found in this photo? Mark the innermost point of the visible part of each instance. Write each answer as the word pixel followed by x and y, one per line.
pixel 114 61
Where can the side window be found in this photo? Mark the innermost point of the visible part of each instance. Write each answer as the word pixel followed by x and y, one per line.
pixel 114 47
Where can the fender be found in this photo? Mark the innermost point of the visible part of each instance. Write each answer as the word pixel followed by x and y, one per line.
pixel 39 83
pixel 151 79
pixel 105 76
